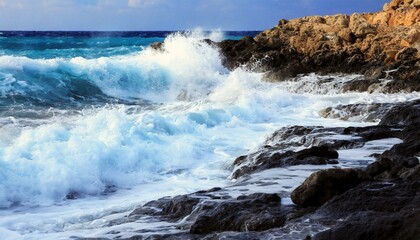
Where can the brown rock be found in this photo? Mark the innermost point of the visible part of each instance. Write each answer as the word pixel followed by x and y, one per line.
pixel 336 44
pixel 381 18
pixel 395 4
pixel 347 35
pixel 360 27
pixel 413 36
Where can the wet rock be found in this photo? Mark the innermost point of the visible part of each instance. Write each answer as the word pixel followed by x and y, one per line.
pixel 170 208
pixel 404 114
pixel 357 112
pixel 314 155
pixel 157 46
pixel 256 212
pixel 279 150
pixel 325 184
pixel 378 167
pixel 375 210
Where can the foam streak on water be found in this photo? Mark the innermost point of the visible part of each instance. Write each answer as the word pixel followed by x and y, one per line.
pixel 117 131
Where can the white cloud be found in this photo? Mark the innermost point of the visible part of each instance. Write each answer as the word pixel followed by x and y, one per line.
pixel 141 3
pixel 3 3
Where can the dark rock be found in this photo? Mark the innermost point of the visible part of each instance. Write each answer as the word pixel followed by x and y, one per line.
pixel 379 167
pixel 322 152
pixel 375 73
pixel 404 114
pixel 375 211
pixel 170 208
pixel 409 148
pixel 265 160
pixel 325 184
pixel 256 212
pixel 157 46
pixel 322 144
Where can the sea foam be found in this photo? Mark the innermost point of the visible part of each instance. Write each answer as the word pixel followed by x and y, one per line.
pixel 201 117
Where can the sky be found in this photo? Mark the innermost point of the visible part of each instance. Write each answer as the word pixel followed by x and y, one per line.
pixel 154 15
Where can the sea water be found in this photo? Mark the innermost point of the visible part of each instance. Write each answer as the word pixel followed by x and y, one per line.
pixel 93 124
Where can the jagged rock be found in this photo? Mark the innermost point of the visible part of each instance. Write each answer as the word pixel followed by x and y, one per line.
pixel 157 46
pixel 405 114
pixel 256 212
pixel 360 27
pixel 321 144
pixel 357 112
pixel 360 43
pixel 375 210
pixel 325 184
pixel 314 156
pixel 170 208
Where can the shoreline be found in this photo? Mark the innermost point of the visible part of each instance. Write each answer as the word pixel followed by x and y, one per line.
pixel 333 193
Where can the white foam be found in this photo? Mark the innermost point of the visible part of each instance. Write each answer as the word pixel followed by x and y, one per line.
pixel 209 116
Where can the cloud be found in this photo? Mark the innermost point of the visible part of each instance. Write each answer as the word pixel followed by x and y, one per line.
pixel 3 3
pixel 141 3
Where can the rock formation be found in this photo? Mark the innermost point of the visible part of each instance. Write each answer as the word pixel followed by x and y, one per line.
pixel 383 45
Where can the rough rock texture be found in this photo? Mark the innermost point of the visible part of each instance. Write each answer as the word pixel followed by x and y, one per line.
pixel 375 211
pixel 205 213
pixel 321 145
pixel 268 159
pixel 256 212
pixel 357 112
pixel 403 115
pixel 383 45
pixel 321 186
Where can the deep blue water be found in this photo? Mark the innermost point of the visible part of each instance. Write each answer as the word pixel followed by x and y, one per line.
pixel 38 45
pixel 71 69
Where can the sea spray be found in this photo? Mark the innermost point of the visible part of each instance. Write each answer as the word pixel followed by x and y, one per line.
pixel 197 116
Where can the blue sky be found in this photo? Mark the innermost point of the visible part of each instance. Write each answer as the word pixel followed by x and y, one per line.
pixel 126 15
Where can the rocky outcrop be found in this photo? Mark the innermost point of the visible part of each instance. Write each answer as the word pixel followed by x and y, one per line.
pixel 321 186
pixel 375 210
pixel 256 212
pixel 283 147
pixel 383 45
pixel 361 112
pixel 269 159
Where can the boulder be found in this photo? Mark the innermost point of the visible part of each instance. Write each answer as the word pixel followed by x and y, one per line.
pixel 321 186
pixel 375 210
pixel 360 27
pixel 267 159
pixel 255 212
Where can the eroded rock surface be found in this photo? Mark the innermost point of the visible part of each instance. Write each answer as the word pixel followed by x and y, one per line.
pixel 383 45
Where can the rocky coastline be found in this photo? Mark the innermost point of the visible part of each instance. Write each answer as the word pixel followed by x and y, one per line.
pixel 383 45
pixel 379 201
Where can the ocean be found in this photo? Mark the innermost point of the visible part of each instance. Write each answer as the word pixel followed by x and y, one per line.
pixel 93 124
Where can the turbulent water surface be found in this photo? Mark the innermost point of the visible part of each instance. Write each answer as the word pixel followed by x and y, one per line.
pixel 93 124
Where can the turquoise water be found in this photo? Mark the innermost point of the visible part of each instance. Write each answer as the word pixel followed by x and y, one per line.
pixel 70 69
